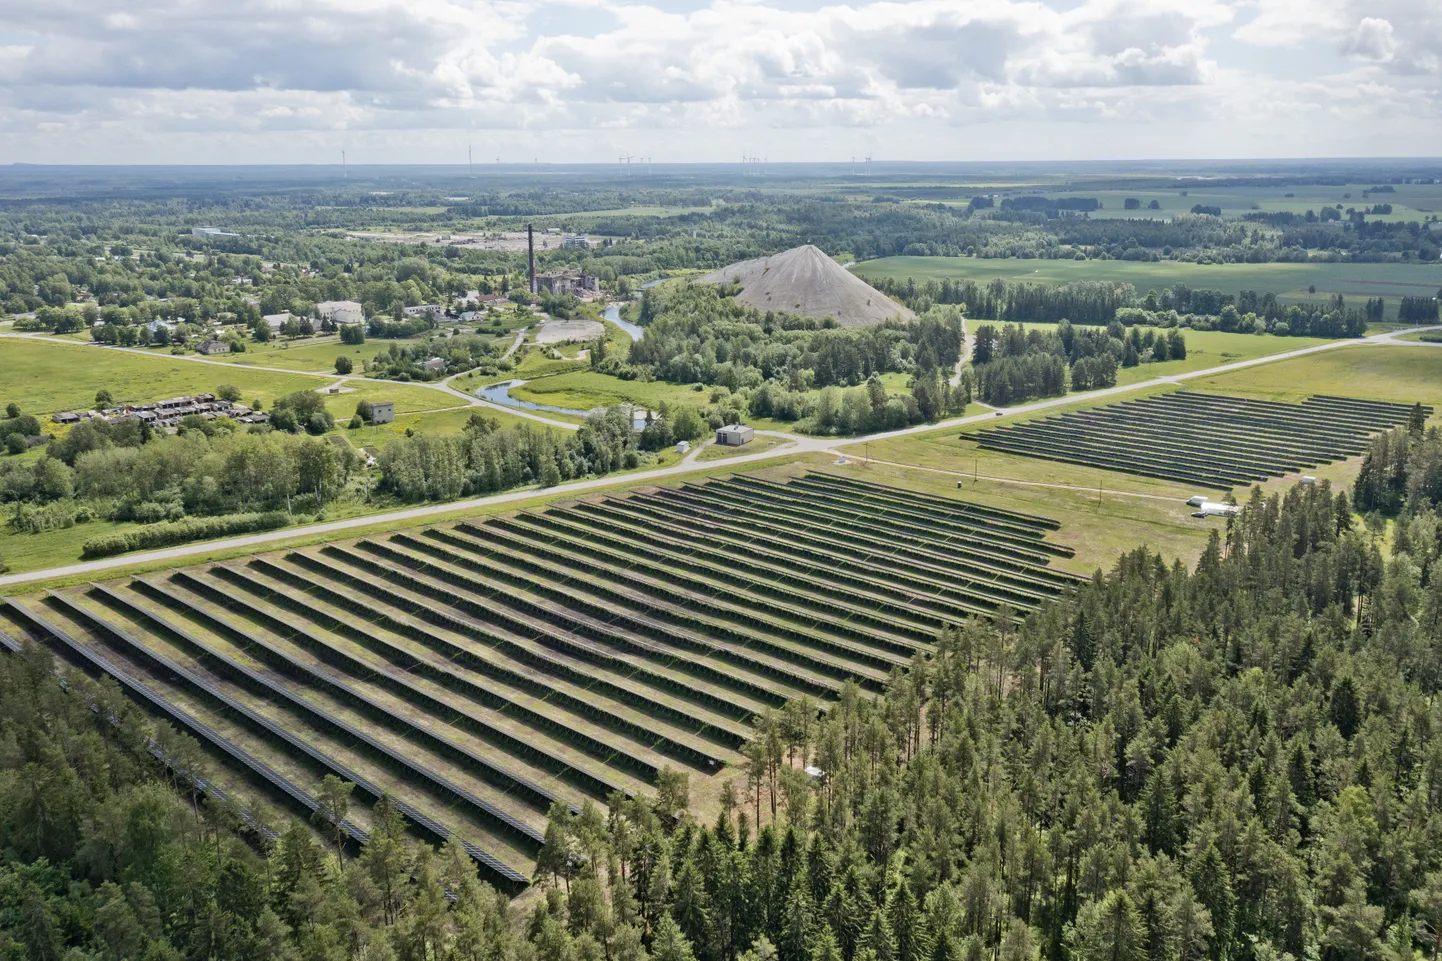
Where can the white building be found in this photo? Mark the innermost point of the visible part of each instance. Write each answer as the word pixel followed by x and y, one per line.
pixel 341 311
pixel 383 412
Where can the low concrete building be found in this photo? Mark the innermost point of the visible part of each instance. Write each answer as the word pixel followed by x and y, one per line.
pixel 276 321
pixel 213 347
pixel 734 435
pixel 383 412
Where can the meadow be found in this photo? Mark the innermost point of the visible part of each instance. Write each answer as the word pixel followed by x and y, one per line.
pixel 46 377
pixel 1374 372
pixel 312 355
pixel 1356 281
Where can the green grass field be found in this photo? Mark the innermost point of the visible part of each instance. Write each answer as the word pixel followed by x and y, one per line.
pixel 584 390
pixel 315 355
pixel 1103 513
pixel 1288 281
pixel 45 377
pixel 1401 374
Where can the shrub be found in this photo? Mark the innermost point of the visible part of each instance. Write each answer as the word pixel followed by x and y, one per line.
pixel 179 532
pixel 343 365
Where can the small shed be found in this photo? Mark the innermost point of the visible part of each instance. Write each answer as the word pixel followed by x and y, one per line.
pixel 734 435
pixel 383 412
pixel 683 447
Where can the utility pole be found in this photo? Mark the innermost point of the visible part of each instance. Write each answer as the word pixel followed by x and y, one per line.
pixel 470 161
pixel 343 175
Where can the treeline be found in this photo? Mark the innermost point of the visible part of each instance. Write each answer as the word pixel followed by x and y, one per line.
pixel 864 409
pixel 1100 302
pixel 697 334
pixel 122 472
pixel 1402 469
pixel 1239 762
pixel 485 458
pixel 1015 363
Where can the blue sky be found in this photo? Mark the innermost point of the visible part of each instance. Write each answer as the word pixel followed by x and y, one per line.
pixel 415 81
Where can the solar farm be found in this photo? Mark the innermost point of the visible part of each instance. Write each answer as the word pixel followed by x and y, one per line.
pixel 481 671
pixel 1214 440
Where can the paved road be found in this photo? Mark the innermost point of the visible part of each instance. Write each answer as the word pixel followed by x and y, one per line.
pixel 798 445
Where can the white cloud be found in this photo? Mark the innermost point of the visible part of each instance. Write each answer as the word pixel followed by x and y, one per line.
pixel 1371 39
pixel 393 74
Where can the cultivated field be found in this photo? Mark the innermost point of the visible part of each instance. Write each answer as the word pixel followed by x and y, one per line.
pixel 1288 281
pixel 1208 439
pixel 482 671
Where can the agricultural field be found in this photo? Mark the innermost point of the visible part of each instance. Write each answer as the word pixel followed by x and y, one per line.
pixel 1208 439
pixel 1290 282
pixel 482 671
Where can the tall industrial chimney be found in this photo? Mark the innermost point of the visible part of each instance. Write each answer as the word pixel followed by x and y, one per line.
pixel 531 253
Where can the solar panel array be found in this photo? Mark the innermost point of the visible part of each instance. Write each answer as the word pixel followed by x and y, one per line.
pixel 1214 440
pixel 482 671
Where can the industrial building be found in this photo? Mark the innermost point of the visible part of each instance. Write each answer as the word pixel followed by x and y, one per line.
pixel 734 435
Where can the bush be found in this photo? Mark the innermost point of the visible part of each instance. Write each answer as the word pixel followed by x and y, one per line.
pixel 343 365
pixel 16 444
pixel 179 532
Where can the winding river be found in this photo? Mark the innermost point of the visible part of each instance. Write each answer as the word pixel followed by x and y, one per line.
pixel 501 393
pixel 613 314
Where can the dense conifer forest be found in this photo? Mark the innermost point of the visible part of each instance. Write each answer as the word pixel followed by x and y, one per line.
pixel 1235 762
